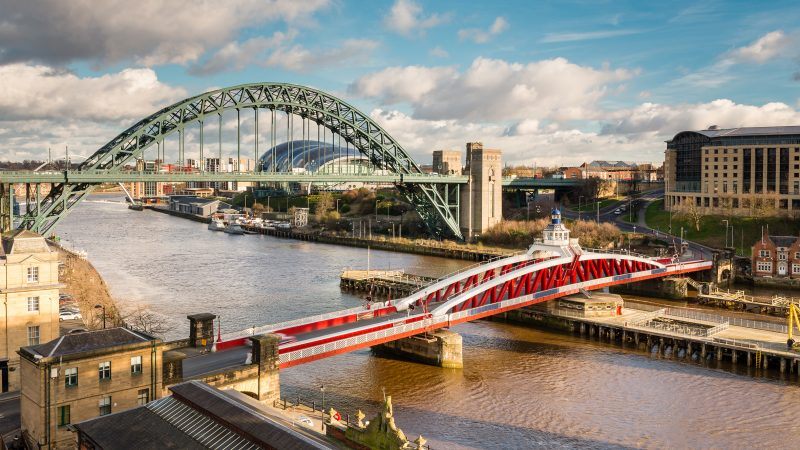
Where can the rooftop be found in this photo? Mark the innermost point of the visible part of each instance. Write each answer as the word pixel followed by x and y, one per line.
pixel 86 341
pixel 750 131
pixel 24 241
pixel 195 416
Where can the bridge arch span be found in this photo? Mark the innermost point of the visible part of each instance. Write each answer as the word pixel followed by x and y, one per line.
pixel 341 118
pixel 540 276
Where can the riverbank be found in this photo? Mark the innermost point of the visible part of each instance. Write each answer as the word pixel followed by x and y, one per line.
pixel 83 283
pixel 414 246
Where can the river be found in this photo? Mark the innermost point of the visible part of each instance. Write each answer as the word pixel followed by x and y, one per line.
pixel 520 387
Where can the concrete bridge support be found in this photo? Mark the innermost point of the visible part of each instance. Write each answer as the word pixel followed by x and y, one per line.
pixel 441 348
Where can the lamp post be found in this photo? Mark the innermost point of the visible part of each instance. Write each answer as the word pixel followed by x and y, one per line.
pixel 580 197
pixel 726 232
pixel 337 205
pixel 322 421
pixel 598 211
pixel 104 313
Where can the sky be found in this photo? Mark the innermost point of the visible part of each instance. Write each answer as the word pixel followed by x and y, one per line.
pixel 548 82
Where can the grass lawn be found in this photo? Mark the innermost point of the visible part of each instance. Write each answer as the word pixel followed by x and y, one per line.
pixel 592 206
pixel 712 228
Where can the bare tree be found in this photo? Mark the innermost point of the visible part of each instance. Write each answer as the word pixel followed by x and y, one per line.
pixel 691 211
pixel 324 205
pixel 142 319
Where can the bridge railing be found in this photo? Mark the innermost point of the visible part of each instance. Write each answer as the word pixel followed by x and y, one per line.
pixel 616 251
pixel 301 321
pixel 356 340
pixel 734 321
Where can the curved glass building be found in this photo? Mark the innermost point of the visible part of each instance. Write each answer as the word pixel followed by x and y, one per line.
pixel 313 156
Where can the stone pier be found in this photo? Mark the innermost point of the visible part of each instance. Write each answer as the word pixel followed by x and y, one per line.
pixel 265 356
pixel 440 348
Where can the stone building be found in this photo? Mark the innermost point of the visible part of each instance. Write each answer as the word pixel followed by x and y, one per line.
pixel 776 256
pixel 85 375
pixel 29 290
pixel 482 198
pixel 447 162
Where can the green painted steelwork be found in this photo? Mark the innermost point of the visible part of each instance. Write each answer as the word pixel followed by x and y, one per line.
pixel 311 104
pixel 101 176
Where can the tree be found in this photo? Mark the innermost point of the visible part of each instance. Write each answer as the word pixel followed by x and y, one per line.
pixel 145 320
pixel 324 206
pixel 690 210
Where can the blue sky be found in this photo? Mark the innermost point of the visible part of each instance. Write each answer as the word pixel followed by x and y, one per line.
pixel 547 82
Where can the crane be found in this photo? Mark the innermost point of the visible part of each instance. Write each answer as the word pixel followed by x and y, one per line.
pixel 793 321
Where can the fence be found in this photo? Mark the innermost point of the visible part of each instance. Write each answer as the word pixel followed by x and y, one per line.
pixel 692 314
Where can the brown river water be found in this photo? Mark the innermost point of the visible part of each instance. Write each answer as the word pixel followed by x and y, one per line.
pixel 520 387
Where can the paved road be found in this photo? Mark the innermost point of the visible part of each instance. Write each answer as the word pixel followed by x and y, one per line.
pixel 9 412
pixel 210 362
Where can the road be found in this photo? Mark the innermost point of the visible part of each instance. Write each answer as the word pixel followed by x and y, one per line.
pixel 694 250
pixel 9 412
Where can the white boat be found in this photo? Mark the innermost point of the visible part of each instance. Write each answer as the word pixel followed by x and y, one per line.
pixel 216 225
pixel 234 228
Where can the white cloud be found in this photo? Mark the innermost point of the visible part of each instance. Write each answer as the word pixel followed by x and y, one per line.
pixel 769 46
pixel 406 18
pixel 237 55
pixel 664 121
pixel 439 52
pixel 772 45
pixel 299 59
pixel 479 36
pixel 585 36
pixel 493 89
pixel 149 32
pixel 528 143
pixel 41 92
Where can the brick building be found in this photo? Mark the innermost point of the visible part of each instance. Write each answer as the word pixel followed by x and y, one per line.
pixel 776 256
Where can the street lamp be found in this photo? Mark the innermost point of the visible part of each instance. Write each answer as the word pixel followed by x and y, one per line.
pixel 337 205
pixel 322 424
pixel 580 197
pixel 104 313
pixel 726 232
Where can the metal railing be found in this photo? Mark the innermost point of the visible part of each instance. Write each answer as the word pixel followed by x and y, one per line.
pixel 691 314
pixel 737 343
pixel 301 321
pixel 355 340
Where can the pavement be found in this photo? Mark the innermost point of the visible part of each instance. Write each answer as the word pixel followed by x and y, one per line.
pixel 9 412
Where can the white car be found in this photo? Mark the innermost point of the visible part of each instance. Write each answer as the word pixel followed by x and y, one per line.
pixel 69 315
pixel 618 212
pixel 305 420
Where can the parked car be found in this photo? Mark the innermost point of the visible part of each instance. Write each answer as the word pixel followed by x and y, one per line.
pixel 69 315
pixel 618 212
pixel 305 420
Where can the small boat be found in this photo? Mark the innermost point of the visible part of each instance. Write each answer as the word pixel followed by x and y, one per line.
pixel 136 206
pixel 216 225
pixel 234 228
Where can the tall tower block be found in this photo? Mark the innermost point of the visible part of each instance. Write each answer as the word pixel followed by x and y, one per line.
pixel 481 199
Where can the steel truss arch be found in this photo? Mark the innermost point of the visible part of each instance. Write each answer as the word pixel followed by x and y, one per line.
pixel 348 122
pixel 569 268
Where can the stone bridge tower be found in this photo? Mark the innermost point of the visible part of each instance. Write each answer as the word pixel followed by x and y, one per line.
pixel 481 198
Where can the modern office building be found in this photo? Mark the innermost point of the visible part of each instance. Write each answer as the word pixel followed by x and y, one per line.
pixel 752 171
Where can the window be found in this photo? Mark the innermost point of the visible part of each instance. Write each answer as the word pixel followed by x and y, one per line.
pixel 33 335
pixel 764 267
pixel 105 405
pixel 782 256
pixel 136 365
pixel 33 274
pixel 796 255
pixel 63 415
pixel 105 370
pixel 33 304
pixel 71 376
pixel 763 253
pixel 143 397
pixel 795 269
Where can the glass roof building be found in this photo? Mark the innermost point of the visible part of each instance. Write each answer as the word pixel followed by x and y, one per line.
pixel 310 156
